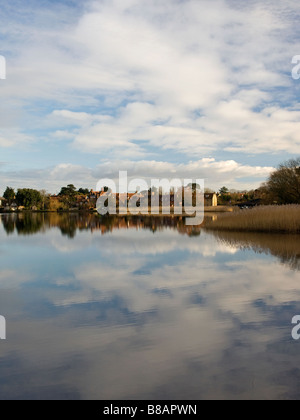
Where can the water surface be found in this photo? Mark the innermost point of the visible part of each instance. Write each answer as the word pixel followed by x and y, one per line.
pixel 142 308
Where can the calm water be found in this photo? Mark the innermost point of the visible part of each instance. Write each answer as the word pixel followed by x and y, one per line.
pixel 145 309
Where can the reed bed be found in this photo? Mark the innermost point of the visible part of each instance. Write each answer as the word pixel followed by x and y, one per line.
pixel 274 219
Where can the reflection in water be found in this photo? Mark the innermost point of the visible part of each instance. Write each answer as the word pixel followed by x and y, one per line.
pixel 69 223
pixel 22 223
pixel 285 247
pixel 105 309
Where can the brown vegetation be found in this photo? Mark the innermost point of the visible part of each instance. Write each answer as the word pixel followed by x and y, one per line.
pixel 260 219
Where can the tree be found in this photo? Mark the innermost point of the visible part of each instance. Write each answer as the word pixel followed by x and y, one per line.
pixel 284 183
pixel 84 191
pixel 194 186
pixel 69 191
pixel 28 198
pixel 68 195
pixel 45 199
pixel 223 191
pixel 9 194
pixel 264 194
pixel 224 195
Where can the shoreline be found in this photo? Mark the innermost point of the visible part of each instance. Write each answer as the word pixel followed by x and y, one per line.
pixel 262 219
pixel 210 209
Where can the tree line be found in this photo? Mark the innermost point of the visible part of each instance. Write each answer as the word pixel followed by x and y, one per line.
pixel 30 198
pixel 282 187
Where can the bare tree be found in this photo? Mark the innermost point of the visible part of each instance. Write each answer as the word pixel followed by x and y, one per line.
pixel 284 183
pixel 45 198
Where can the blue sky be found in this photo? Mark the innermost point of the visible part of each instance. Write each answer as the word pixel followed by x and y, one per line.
pixel 191 88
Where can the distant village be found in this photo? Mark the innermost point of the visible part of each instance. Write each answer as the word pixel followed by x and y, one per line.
pixel 282 187
pixel 71 199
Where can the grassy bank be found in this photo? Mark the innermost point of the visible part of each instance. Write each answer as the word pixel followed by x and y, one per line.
pixel 260 219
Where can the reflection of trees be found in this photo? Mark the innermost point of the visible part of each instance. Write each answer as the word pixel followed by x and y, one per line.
pixel 69 223
pixel 24 224
pixel 29 224
pixel 9 223
pixel 285 247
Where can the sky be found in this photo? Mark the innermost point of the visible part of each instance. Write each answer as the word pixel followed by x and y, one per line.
pixel 198 89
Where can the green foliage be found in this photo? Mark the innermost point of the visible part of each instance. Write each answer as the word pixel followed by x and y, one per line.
pixel 69 190
pixel 224 197
pixel 223 190
pixel 84 191
pixel 9 194
pixel 28 198
pixel 68 195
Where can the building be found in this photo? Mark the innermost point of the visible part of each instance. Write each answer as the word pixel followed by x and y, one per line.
pixel 210 200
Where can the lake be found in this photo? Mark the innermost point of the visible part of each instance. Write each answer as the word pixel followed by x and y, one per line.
pixel 145 308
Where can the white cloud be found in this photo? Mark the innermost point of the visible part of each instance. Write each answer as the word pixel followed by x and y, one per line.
pixel 120 79
pixel 215 173
pixel 50 179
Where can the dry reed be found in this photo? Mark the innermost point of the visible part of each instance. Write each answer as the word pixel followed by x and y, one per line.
pixel 260 219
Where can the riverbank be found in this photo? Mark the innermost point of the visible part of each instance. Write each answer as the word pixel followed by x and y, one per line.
pixel 272 219
pixel 208 209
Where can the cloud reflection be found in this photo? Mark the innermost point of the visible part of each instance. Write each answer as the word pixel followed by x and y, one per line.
pixel 129 314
